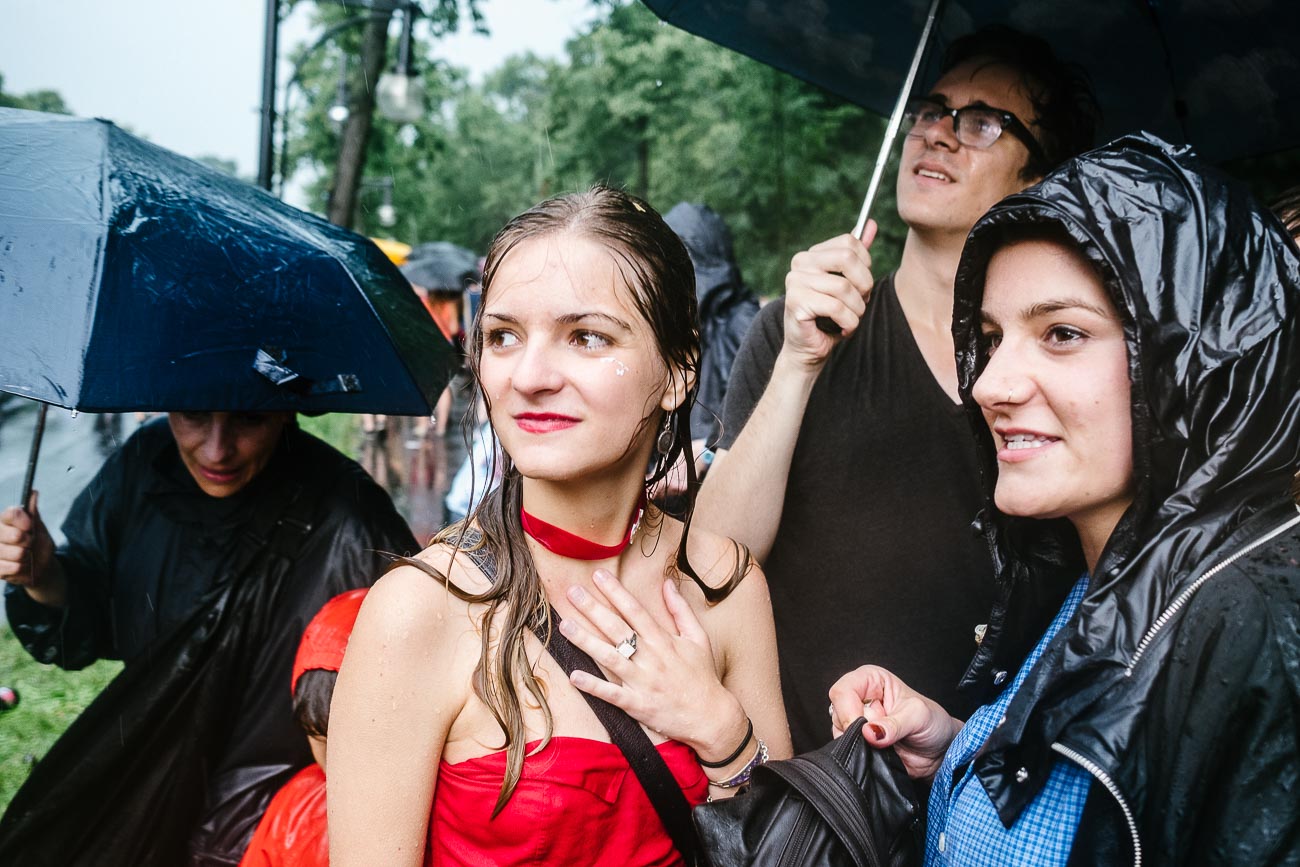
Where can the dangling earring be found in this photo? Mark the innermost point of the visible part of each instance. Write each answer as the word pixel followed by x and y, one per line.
pixel 664 443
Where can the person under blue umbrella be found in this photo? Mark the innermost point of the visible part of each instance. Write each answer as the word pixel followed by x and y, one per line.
pixel 197 555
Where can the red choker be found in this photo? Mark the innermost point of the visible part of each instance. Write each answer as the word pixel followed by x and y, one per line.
pixel 566 544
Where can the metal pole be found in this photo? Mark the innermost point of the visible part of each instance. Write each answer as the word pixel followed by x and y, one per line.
pixel 270 57
pixel 35 453
pixel 896 119
pixel 404 44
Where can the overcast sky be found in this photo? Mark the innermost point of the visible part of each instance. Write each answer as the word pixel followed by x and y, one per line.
pixel 187 74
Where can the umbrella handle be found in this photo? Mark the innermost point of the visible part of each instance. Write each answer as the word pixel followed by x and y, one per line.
pixel 896 119
pixel 35 453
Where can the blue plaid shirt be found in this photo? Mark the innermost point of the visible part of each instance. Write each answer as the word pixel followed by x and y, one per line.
pixel 964 828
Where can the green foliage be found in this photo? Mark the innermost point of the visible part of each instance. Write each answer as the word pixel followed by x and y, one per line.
pixel 50 700
pixel 635 103
pixel 341 430
pixel 37 100
pixel 221 164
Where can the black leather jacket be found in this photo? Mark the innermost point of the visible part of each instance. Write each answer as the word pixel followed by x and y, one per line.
pixel 1177 684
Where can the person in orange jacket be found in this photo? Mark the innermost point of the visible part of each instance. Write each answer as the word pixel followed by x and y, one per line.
pixel 292 832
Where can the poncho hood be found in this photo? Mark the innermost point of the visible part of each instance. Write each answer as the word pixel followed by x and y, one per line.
pixel 708 242
pixel 1207 284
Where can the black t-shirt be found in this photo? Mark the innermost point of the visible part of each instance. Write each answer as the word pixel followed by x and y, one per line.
pixel 875 560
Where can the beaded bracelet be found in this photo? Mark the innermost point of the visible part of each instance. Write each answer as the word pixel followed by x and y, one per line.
pixel 760 758
pixel 749 734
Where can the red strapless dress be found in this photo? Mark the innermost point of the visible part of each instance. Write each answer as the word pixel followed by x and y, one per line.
pixel 577 803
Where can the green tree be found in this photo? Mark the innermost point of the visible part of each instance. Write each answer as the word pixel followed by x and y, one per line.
pixel 634 103
pixel 221 164
pixel 364 40
pixel 36 100
pixel 674 117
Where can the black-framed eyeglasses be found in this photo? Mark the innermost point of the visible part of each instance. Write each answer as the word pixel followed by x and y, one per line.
pixel 976 126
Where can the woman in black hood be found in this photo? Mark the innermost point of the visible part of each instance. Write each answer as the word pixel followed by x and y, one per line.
pixel 1128 344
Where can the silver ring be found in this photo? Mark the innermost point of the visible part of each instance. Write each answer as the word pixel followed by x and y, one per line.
pixel 627 646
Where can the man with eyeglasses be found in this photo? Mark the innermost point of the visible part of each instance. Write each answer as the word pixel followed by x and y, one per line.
pixel 845 463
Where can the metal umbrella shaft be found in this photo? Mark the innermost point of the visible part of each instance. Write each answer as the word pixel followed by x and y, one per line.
pixel 896 119
pixel 824 323
pixel 28 479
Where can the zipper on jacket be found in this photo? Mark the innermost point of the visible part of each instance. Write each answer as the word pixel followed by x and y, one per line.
pixel 1104 778
pixel 1187 594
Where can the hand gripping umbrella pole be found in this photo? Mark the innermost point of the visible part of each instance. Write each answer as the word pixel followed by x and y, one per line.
pixel 825 323
pixel 30 478
pixel 896 119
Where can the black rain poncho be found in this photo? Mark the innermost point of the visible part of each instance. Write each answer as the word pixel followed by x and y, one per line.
pixel 1177 684
pixel 206 599
pixel 726 306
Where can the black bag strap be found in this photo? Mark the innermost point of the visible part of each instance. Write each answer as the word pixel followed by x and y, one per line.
pixel 626 733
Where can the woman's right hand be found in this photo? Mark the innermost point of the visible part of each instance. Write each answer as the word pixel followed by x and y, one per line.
pixel 26 548
pixel 916 727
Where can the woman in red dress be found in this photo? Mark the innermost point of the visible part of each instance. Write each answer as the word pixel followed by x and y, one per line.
pixel 455 737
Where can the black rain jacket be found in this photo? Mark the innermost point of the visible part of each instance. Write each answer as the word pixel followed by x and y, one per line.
pixel 726 306
pixel 206 600
pixel 1177 684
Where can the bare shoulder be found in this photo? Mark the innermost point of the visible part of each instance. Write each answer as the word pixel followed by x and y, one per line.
pixel 422 598
pixel 719 560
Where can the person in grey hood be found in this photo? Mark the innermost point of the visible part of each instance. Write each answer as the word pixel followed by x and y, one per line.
pixel 727 307
pixel 1128 345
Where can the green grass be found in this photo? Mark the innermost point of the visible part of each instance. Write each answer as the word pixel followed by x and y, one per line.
pixel 50 699
pixel 341 430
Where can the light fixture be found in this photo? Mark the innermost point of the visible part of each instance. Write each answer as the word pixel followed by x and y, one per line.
pixel 399 93
pixel 339 111
pixel 386 213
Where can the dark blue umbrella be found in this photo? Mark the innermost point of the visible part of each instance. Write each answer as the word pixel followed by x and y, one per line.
pixel 134 279
pixel 1219 74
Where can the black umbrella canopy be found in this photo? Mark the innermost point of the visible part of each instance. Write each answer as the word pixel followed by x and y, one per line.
pixel 1219 74
pixel 441 266
pixel 132 278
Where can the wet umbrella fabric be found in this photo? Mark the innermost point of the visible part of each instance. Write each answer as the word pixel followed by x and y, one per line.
pixel 441 266
pixel 1220 76
pixel 132 278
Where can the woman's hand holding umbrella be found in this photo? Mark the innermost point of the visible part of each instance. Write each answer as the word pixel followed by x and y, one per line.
pixel 27 555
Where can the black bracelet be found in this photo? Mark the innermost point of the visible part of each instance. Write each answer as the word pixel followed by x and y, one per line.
pixel 749 735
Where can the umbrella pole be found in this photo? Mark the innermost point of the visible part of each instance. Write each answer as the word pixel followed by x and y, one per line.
pixel 896 119
pixel 35 453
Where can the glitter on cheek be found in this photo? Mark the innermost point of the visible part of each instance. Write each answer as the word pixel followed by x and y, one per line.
pixel 619 367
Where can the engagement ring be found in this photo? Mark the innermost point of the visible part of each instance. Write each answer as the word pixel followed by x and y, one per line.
pixel 627 646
